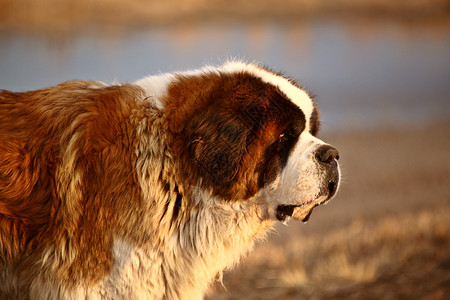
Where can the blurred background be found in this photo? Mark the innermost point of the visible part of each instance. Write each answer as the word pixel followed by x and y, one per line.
pixel 380 70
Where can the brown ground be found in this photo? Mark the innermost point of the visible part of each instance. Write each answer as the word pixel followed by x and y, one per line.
pixel 385 236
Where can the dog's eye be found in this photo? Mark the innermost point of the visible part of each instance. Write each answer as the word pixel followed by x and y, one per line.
pixel 283 137
pixel 286 135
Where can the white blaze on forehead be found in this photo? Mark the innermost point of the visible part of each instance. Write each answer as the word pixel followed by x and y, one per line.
pixel 297 96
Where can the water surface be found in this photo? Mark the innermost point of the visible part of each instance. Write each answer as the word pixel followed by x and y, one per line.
pixel 364 74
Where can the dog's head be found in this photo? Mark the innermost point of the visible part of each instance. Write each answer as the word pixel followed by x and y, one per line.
pixel 247 133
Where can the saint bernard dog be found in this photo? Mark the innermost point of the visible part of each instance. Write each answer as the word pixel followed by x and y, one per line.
pixel 150 190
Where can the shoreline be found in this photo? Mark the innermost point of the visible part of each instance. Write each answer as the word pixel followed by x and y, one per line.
pixel 50 17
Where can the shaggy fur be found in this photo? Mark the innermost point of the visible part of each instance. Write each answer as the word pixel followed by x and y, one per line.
pixel 149 190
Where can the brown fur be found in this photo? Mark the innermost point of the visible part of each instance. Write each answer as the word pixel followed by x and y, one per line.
pixel 223 135
pixel 37 205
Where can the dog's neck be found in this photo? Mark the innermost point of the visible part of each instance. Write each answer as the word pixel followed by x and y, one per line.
pixel 191 234
pixel 216 235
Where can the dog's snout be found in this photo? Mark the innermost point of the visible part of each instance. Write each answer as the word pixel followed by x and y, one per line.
pixel 327 154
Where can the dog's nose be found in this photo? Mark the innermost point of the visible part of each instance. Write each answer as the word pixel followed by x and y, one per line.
pixel 326 154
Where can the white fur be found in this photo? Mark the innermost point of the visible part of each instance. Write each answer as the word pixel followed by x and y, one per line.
pixel 155 87
pixel 299 182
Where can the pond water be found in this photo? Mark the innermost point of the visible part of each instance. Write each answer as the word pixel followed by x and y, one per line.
pixel 364 73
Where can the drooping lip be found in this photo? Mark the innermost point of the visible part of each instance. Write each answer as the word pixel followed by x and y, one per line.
pixel 303 211
pixel 300 212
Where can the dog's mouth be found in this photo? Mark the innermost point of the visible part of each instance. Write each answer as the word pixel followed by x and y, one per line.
pixel 298 212
pixel 302 212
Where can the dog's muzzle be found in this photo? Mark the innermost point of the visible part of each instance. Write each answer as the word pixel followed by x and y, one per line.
pixel 326 156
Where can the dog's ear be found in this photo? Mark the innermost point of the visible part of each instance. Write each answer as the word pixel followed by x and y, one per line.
pixel 216 145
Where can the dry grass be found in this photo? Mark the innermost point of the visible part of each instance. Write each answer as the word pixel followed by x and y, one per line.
pixel 73 16
pixel 395 257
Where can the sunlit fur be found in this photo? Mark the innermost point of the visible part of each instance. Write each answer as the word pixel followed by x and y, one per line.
pixel 106 191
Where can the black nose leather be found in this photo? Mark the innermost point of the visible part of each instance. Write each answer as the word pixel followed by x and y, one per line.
pixel 326 154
